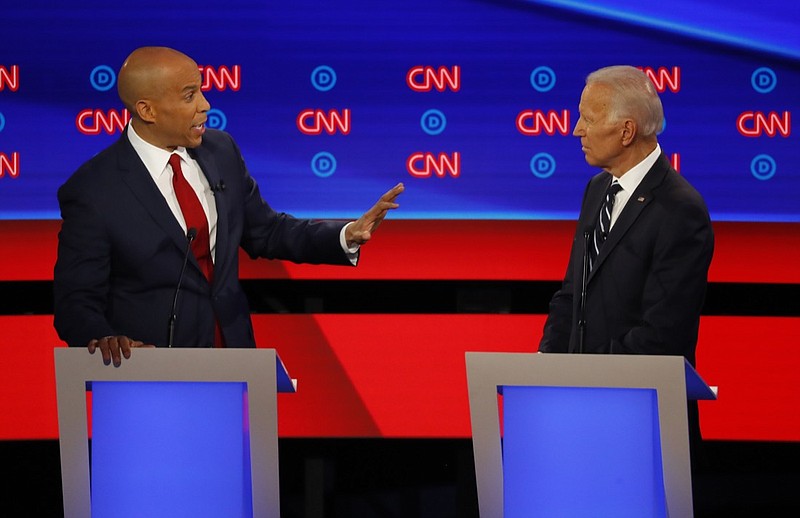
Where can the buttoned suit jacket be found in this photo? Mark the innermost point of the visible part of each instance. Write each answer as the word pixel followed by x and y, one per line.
pixel 646 290
pixel 121 250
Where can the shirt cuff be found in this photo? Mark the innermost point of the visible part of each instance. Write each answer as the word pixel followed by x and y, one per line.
pixel 350 252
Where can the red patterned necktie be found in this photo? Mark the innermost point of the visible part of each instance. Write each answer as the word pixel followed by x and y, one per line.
pixel 195 217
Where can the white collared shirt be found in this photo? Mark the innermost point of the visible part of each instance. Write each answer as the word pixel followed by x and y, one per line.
pixel 156 160
pixel 630 181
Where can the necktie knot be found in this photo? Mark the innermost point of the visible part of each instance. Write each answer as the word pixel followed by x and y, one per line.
pixel 175 162
pixel 613 189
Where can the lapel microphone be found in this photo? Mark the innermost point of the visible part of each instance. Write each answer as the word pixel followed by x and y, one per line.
pixel 215 188
pixel 190 235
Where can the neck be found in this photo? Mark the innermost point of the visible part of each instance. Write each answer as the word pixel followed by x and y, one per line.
pixel 143 130
pixel 637 152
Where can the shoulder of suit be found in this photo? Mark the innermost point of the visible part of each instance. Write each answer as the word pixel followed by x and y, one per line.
pixel 101 167
pixel 214 136
pixel 215 141
pixel 676 190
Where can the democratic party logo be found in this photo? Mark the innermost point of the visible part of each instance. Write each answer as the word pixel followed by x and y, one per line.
pixel 323 164
pixel 763 167
pixel 763 80
pixel 216 119
pixel 103 78
pixel 323 78
pixel 433 122
pixel 543 79
pixel 543 165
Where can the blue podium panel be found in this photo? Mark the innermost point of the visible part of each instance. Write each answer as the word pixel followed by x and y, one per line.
pixel 582 452
pixel 170 449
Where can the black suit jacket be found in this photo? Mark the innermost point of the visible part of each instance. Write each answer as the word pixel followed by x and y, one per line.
pixel 120 250
pixel 646 290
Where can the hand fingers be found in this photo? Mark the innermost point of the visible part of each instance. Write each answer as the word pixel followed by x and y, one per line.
pixel 106 349
pixel 112 345
pixel 362 228
pixel 114 348
pixel 393 193
pixel 380 209
pixel 125 346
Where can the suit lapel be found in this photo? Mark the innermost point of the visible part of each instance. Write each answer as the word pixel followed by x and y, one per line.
pixel 141 185
pixel 208 165
pixel 639 200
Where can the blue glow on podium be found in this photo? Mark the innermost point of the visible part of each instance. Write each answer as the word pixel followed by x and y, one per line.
pixel 170 449
pixel 579 452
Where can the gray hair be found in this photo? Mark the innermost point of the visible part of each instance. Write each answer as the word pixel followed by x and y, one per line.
pixel 633 95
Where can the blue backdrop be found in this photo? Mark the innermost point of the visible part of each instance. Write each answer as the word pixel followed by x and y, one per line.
pixel 470 103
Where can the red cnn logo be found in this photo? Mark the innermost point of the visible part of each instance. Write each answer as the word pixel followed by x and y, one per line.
pixel 425 78
pixel 222 78
pixel 664 78
pixel 425 165
pixel 755 124
pixel 675 161
pixel 533 122
pixel 9 78
pixel 93 122
pixel 8 165
pixel 313 122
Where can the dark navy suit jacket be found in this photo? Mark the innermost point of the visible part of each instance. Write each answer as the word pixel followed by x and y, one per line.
pixel 120 250
pixel 646 290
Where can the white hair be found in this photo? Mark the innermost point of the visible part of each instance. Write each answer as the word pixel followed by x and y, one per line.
pixel 633 96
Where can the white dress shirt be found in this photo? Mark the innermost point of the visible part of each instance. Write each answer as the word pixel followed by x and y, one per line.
pixel 630 181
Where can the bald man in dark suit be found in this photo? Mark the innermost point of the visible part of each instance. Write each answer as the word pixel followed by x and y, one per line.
pixel 169 184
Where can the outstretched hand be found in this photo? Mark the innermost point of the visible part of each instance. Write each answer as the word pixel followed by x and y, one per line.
pixel 361 230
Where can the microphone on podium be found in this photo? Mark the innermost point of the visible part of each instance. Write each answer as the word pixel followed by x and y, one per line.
pixel 584 279
pixel 190 235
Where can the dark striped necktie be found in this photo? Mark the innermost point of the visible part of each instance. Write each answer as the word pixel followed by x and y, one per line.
pixel 603 222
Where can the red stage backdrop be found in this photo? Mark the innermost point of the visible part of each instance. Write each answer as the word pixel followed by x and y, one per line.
pixel 403 375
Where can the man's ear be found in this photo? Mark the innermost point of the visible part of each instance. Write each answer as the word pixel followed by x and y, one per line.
pixel 629 131
pixel 145 110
